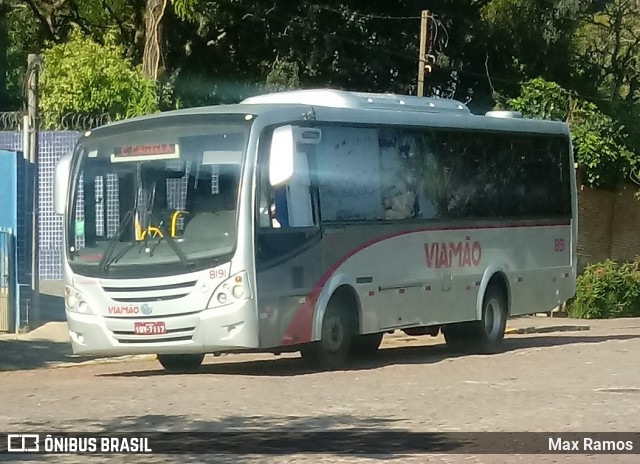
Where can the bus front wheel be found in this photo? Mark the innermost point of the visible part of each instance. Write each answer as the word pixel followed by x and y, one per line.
pixel 333 349
pixel 180 362
pixel 485 335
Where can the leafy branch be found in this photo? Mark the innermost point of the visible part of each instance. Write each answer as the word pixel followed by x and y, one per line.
pixel 599 142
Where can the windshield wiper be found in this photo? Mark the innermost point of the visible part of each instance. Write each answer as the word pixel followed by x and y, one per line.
pixel 105 262
pixel 172 243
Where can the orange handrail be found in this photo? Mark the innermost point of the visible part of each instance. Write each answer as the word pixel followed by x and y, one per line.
pixel 150 230
pixel 174 222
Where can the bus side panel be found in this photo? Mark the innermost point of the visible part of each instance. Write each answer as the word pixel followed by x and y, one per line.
pixel 431 275
pixel 285 290
pixel 419 275
pixel 388 264
pixel 394 282
pixel 425 272
pixel 541 275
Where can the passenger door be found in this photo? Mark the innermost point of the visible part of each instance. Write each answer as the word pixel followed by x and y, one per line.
pixel 288 258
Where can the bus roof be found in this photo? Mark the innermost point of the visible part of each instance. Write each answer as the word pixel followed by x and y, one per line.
pixel 370 108
pixel 360 100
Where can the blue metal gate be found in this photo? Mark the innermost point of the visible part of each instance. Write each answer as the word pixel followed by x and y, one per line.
pixel 8 283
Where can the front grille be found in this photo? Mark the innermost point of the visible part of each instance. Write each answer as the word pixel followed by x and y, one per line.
pixel 148 299
pixel 154 316
pixel 155 287
pixel 147 294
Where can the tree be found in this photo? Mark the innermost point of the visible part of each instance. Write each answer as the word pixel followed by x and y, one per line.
pixel 154 12
pixel 607 49
pixel 17 41
pixel 599 142
pixel 606 59
pixel 83 76
pixel 528 38
pixel 218 52
pixel 208 52
pixel 285 75
pixel 236 49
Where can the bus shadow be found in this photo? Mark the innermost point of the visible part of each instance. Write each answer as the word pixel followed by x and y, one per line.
pixel 406 355
pixel 248 439
pixel 34 354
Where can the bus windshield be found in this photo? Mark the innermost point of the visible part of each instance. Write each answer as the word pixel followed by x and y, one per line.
pixel 148 201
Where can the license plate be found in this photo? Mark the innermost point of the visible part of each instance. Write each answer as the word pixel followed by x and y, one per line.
pixel 149 328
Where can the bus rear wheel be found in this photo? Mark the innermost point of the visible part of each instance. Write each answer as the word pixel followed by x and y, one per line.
pixel 332 350
pixel 485 335
pixel 180 362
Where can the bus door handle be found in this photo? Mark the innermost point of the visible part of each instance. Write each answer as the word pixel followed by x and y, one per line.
pixel 446 282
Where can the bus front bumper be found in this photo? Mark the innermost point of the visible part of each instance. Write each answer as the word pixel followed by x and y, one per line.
pixel 225 328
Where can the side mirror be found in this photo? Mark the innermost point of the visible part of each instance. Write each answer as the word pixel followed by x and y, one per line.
pixel 61 183
pixel 281 155
pixel 283 150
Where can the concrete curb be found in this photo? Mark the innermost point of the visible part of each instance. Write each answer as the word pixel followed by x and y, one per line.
pixel 547 329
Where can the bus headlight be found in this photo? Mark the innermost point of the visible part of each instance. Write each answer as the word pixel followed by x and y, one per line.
pixel 233 289
pixel 237 292
pixel 70 297
pixel 83 308
pixel 74 302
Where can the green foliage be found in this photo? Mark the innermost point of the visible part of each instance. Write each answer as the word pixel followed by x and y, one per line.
pixel 541 99
pixel 607 290
pixel 283 76
pixel 185 9
pixel 600 146
pixel 635 176
pixel 529 37
pixel 82 76
pixel 219 52
pixel 604 47
pixel 16 33
pixel 167 98
pixel 599 142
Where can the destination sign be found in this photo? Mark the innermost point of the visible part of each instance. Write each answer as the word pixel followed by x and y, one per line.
pixel 145 152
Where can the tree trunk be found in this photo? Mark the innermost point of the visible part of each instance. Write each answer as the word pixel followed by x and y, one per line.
pixel 153 37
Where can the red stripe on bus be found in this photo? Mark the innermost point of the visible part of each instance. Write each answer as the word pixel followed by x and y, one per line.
pixel 301 325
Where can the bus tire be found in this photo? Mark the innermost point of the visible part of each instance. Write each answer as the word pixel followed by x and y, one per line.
pixel 485 335
pixel 180 362
pixel 332 350
pixel 366 345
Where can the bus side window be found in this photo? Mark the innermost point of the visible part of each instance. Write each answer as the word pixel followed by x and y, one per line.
pixel 397 156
